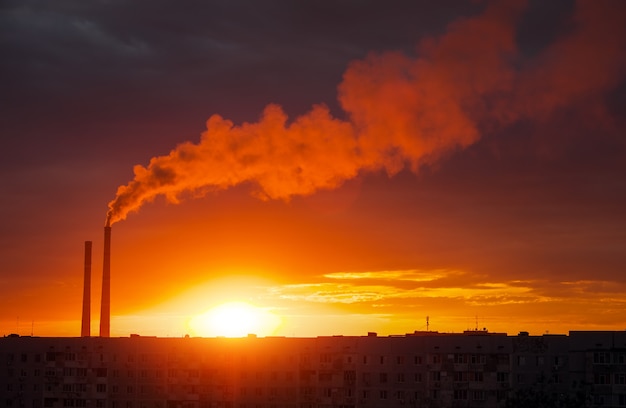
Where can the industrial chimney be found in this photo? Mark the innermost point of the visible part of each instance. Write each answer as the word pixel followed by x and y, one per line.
pixel 105 310
pixel 85 328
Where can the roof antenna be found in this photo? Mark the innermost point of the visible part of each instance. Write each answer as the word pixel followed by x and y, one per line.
pixel 427 323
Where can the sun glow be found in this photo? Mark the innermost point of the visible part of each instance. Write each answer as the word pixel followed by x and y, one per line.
pixel 235 319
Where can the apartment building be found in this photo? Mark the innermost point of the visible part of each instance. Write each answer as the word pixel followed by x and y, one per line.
pixel 421 369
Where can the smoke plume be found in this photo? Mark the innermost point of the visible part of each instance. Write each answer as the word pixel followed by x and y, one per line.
pixel 399 111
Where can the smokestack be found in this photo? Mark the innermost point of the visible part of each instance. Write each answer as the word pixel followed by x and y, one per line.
pixel 105 310
pixel 85 328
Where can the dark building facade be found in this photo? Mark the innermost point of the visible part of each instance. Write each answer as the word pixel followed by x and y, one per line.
pixel 422 369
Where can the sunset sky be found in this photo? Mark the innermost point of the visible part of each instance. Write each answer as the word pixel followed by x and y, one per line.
pixel 336 167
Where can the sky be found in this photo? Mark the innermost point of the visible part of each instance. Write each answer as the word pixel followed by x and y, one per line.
pixel 331 167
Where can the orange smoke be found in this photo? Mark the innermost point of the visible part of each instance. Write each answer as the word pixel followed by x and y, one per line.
pixel 583 65
pixel 401 111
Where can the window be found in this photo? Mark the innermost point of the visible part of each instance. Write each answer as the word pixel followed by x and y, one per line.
pixel 418 360
pixel 460 394
pixel 400 360
pixel 400 377
pixel 600 357
pixel 460 358
pixel 601 378
pixel 620 378
pixel 383 394
pixel 478 395
pixel 478 377
pixel 101 388
pixel 502 377
pixel 382 378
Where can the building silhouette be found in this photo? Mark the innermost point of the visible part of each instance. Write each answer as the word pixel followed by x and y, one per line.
pixel 421 369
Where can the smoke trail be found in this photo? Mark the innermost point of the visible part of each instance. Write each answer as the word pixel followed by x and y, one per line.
pixel 400 111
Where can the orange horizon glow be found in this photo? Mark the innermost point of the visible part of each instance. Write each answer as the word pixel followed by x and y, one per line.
pixel 349 307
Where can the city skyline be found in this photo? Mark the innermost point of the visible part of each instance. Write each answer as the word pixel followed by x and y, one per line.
pixel 327 169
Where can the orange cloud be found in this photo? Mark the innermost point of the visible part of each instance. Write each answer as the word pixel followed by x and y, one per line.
pixel 587 62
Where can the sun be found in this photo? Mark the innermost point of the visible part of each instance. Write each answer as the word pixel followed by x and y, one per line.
pixel 235 319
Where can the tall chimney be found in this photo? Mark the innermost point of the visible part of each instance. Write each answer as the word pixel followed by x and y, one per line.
pixel 105 310
pixel 85 328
